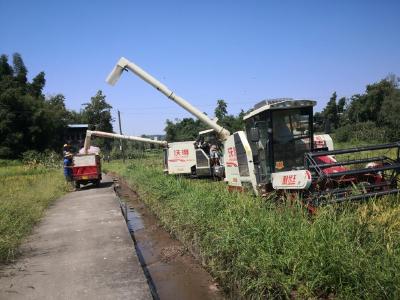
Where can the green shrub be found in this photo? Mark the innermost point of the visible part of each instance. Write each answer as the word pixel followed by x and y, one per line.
pixel 8 162
pixel 48 159
pixel 361 132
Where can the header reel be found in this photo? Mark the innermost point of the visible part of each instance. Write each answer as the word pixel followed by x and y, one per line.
pixel 355 178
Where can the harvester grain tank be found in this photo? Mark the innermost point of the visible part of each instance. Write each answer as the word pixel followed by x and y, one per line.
pixel 279 151
pixel 180 158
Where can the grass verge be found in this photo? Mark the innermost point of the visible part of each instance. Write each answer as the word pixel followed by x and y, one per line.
pixel 25 194
pixel 260 249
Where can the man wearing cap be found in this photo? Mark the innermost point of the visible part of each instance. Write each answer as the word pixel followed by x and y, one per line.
pixel 66 148
pixel 68 167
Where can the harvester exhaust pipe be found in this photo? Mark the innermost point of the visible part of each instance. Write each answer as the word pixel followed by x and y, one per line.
pixel 124 64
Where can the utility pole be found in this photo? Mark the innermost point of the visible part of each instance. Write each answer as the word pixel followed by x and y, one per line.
pixel 120 141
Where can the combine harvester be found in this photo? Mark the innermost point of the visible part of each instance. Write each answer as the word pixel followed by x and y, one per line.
pixel 180 158
pixel 279 152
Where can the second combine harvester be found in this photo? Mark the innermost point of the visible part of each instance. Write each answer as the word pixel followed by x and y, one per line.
pixel 277 152
pixel 180 158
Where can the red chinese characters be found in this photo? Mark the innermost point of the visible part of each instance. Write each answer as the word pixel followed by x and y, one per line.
pixel 289 180
pixel 232 152
pixel 232 158
pixel 181 152
pixel 319 142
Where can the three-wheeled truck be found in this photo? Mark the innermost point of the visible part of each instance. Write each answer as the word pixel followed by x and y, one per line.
pixel 86 169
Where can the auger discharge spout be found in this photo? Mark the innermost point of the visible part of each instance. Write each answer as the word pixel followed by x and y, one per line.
pixel 124 64
pixel 88 137
pixel 90 133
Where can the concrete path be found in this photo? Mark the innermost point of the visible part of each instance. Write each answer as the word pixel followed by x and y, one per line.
pixel 80 250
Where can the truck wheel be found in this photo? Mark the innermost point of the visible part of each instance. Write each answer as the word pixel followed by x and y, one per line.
pixel 77 185
pixel 97 183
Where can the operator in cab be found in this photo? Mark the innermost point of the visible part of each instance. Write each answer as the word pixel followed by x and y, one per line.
pixel 214 156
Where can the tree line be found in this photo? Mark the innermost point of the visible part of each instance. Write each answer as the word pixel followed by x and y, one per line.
pixel 187 129
pixel 372 116
pixel 29 120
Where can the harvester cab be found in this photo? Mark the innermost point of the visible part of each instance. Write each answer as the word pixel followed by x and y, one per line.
pixel 270 153
pixel 280 132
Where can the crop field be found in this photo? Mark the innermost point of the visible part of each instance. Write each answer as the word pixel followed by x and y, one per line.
pixel 25 192
pixel 259 248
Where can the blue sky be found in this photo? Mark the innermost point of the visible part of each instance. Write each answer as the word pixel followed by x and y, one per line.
pixel 240 51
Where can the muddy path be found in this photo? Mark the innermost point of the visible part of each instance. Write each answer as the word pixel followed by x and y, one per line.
pixel 172 272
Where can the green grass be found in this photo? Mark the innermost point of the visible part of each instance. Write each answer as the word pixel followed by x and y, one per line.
pixel 25 194
pixel 257 248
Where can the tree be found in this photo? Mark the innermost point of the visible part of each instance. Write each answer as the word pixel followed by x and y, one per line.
pixel 187 129
pixel 318 122
pixel 183 130
pixel 28 121
pixel 97 113
pixel 366 107
pixel 330 113
pixel 76 117
pixel 37 85
pixel 5 68
pixel 393 79
pixel 20 70
pixel 341 105
pixel 52 126
pixel 389 115
pixel 170 131
pixel 21 114
pixel 221 109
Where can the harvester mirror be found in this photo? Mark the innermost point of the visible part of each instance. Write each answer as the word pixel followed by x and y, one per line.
pixel 254 134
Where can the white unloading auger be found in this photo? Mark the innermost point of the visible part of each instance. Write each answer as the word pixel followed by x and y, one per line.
pixel 90 133
pixel 124 64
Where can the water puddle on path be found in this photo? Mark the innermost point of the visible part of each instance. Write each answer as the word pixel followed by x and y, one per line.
pixel 172 271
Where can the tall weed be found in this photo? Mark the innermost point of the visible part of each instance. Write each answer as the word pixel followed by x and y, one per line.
pixel 261 249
